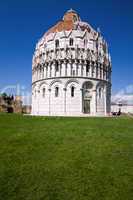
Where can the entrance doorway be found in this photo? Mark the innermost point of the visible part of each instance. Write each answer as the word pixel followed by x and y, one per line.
pixel 10 110
pixel 87 97
pixel 87 106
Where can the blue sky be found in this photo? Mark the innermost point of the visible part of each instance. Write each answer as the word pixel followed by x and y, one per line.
pixel 22 23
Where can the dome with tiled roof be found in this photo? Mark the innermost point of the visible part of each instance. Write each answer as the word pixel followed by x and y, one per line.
pixel 71 21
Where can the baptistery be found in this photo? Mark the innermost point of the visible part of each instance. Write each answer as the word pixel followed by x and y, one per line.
pixel 71 70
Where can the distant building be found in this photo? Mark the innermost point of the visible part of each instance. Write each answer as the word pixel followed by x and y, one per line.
pixel 10 104
pixel 123 107
pixel 71 70
pixel 26 109
pixel 3 105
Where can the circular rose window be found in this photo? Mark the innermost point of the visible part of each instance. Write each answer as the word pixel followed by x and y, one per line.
pixel 87 85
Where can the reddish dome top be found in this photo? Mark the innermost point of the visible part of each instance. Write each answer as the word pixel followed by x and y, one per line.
pixel 71 20
pixel 71 15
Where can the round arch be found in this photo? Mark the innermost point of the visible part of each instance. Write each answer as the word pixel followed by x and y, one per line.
pixel 87 85
pixel 41 84
pixel 55 81
pixel 100 84
pixel 71 81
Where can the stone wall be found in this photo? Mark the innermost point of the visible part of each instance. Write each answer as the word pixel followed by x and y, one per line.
pixel 65 104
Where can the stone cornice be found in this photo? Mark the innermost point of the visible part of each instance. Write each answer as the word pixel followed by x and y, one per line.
pixel 71 77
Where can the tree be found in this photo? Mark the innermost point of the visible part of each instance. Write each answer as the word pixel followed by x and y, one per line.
pixel 4 96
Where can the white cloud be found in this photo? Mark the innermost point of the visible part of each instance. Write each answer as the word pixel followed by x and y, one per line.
pixel 124 96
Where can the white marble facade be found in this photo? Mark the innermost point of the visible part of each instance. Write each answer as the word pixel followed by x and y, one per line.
pixel 71 71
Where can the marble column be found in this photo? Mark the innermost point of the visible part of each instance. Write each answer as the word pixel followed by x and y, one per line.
pixel 81 101
pixel 77 68
pixel 105 101
pixel 50 70
pixel 64 100
pixel 69 69
pixel 94 102
pixel 90 71
pixel 66 67
pixel 84 69
pixel 60 68
pixel 81 68
pixel 49 101
pixel 44 71
pixel 98 70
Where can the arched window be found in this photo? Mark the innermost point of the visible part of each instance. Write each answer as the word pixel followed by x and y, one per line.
pixel 100 93
pixel 100 72
pixel 56 66
pixel 71 42
pixel 75 18
pixel 73 72
pixel 45 45
pixel 87 68
pixel 56 91
pixel 43 92
pixel 85 42
pixel 56 43
pixel 87 85
pixel 72 91
pixel 35 93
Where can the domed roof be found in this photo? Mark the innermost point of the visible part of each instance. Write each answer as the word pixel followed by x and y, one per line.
pixel 71 21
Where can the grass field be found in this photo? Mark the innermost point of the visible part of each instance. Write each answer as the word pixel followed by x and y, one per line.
pixel 65 158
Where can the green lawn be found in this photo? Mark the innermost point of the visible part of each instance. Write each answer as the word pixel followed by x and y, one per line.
pixel 65 158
